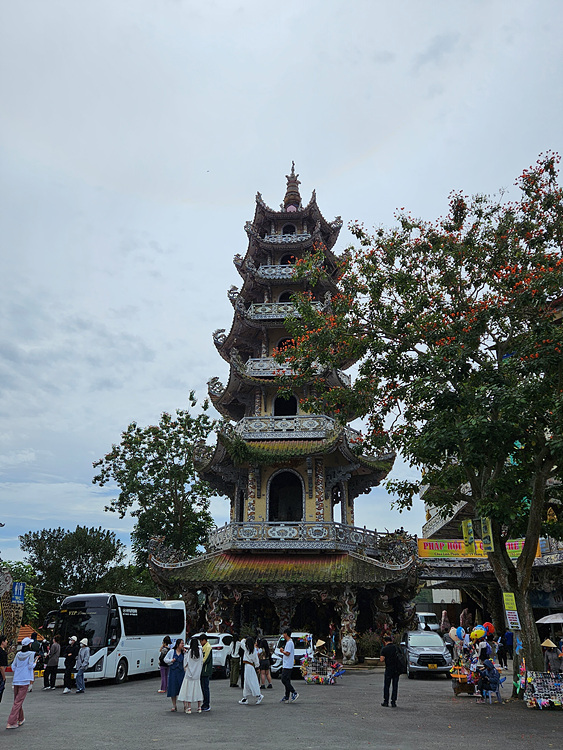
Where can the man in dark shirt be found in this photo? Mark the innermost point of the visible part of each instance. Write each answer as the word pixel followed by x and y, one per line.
pixel 3 663
pixel 392 670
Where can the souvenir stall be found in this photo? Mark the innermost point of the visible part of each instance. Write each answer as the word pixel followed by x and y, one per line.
pixel 543 690
pixel 320 669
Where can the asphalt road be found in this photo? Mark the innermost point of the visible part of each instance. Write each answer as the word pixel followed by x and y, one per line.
pixel 347 715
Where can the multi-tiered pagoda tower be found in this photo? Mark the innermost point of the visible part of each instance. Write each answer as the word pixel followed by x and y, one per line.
pixel 291 552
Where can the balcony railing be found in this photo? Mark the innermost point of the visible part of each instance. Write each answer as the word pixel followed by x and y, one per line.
pixel 389 549
pixel 276 273
pixel 275 310
pixel 266 367
pixel 287 239
pixel 302 426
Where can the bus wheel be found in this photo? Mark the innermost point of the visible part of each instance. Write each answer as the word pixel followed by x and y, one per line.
pixel 121 674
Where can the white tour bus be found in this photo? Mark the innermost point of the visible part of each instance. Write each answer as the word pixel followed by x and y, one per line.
pixel 124 632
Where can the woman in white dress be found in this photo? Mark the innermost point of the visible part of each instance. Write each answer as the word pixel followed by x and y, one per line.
pixel 191 686
pixel 251 664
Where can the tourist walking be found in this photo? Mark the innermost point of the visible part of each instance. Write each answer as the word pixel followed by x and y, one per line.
pixel 509 643
pixel 264 657
pixel 235 661
pixel 22 668
pixel 50 673
pixel 501 652
pixel 288 662
pixel 82 661
pixel 175 660
pixel 191 691
pixel 251 664
pixel 3 663
pixel 390 655
pixel 70 654
pixel 164 649
pixel 206 671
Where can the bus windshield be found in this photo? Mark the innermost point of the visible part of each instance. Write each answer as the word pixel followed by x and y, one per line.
pixel 90 622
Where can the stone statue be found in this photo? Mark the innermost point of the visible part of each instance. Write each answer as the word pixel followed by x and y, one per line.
pixel 349 649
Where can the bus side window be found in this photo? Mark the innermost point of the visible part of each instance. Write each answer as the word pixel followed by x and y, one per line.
pixel 114 630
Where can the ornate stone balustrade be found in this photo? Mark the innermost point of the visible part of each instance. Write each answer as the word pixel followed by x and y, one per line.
pixel 303 426
pixel 276 273
pixel 389 549
pixel 266 367
pixel 274 310
pixel 286 239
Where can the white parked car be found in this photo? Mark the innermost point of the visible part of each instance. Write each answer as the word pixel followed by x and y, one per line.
pixel 221 646
pixel 428 619
pixel 303 643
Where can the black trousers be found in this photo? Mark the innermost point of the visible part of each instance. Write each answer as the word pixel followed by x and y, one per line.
pixel 286 681
pixel 390 677
pixel 68 677
pixel 50 676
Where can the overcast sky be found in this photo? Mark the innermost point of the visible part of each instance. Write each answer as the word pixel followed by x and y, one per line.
pixel 134 135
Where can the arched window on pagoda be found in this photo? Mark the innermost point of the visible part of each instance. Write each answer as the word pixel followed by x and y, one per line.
pixel 285 297
pixel 285 497
pixel 285 407
pixel 288 229
pixel 288 260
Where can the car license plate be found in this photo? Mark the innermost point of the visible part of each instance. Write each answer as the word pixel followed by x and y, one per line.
pixel 432 666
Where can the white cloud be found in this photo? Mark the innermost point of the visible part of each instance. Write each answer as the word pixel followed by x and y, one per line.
pixel 134 137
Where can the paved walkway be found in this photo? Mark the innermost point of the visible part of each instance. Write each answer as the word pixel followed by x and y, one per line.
pixel 347 715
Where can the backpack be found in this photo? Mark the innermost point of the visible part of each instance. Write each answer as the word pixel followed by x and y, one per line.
pixel 401 661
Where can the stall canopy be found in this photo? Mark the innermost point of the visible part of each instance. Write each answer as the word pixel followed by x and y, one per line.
pixel 550 619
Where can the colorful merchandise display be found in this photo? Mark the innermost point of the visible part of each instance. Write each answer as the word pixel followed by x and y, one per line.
pixel 544 690
pixel 321 670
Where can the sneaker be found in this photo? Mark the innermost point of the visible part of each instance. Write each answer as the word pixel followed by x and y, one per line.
pixel 206 709
pixel 294 697
pixel 385 704
pixel 66 690
pixel 79 691
pixel 47 688
pixel 393 705
pixel 270 686
pixel 262 687
pixel 284 700
pixel 259 699
pixel 53 688
pixel 242 702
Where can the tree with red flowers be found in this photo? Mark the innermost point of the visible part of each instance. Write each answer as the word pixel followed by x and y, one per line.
pixel 456 326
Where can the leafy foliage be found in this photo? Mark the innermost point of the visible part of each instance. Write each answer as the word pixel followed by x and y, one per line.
pixel 69 562
pixel 456 325
pixel 154 469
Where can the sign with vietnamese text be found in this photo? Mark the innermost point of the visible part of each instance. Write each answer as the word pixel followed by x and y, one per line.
pixel 18 592
pixel 456 548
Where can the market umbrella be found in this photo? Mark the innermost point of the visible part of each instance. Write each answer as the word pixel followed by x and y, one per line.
pixel 557 617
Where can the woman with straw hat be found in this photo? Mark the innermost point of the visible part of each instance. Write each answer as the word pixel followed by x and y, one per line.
pixel 553 657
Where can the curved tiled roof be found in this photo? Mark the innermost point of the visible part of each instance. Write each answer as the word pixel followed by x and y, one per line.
pixel 226 568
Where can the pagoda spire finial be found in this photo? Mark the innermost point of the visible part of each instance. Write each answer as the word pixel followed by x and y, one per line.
pixel 292 200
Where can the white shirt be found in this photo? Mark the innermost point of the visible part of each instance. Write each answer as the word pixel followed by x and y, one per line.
pixel 288 661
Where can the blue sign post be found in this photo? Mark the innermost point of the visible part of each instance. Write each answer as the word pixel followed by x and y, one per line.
pixel 18 591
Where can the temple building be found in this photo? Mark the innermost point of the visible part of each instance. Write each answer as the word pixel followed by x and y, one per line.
pixel 291 554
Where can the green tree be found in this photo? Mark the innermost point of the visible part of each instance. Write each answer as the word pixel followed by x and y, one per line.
pixel 69 562
pixel 22 572
pixel 457 329
pixel 154 470
pixel 129 579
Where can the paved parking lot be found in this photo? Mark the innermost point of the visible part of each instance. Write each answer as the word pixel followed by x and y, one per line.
pixel 347 715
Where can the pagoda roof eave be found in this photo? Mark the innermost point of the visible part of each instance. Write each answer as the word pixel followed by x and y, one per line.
pixel 292 568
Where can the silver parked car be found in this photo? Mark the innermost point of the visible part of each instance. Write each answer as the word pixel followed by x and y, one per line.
pixel 425 651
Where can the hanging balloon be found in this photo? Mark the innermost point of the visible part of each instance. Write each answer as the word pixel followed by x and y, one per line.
pixel 477 633
pixel 453 635
pixel 489 628
pixel 460 632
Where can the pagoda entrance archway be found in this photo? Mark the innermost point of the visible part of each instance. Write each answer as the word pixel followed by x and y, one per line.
pixel 285 497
